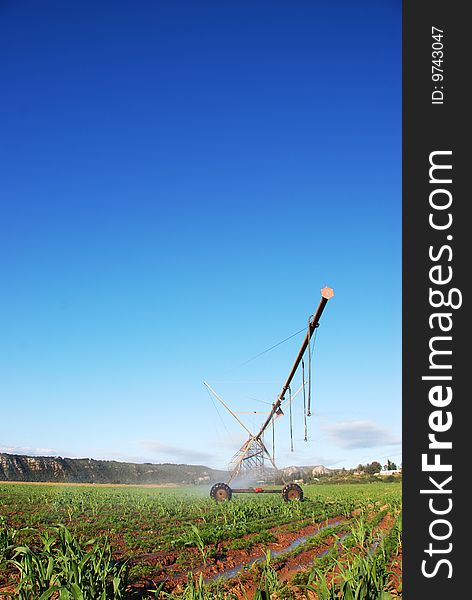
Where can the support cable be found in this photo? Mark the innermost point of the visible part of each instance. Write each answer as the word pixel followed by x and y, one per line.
pixel 304 403
pixel 271 348
pixel 309 371
pixel 216 408
pixel 291 423
pixel 310 355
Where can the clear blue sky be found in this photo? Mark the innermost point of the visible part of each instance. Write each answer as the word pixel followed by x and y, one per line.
pixel 178 181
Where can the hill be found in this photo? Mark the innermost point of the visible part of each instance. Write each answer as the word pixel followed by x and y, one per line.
pixel 15 467
pixel 306 472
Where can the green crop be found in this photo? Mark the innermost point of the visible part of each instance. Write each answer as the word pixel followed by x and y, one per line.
pixel 65 568
pixel 165 534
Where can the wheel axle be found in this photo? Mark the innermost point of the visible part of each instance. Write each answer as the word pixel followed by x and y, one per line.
pixel 221 492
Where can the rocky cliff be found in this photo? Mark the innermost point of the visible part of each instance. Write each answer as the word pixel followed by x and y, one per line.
pixel 15 467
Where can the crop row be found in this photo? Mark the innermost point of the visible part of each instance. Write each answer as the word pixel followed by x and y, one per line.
pixel 55 542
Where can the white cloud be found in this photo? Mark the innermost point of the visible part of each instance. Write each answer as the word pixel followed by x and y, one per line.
pixel 28 450
pixel 360 434
pixel 175 453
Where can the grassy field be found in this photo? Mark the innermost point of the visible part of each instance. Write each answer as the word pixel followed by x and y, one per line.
pixel 79 542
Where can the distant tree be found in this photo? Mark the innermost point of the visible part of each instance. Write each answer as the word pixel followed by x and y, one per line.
pixel 390 466
pixel 374 467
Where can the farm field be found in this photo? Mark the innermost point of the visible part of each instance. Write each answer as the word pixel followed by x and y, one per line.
pixel 130 542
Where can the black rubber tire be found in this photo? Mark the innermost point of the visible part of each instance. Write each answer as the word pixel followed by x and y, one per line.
pixel 292 492
pixel 221 492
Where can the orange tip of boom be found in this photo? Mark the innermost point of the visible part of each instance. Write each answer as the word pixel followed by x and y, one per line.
pixel 327 292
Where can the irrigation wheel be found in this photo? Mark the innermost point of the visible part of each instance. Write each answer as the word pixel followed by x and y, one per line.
pixel 292 492
pixel 221 492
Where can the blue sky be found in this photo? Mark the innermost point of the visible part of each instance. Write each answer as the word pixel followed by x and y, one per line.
pixel 179 180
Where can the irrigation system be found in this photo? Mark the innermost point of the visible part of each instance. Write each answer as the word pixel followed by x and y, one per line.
pixel 250 458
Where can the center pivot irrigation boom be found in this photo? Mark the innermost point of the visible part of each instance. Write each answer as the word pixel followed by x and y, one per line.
pixel 252 453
